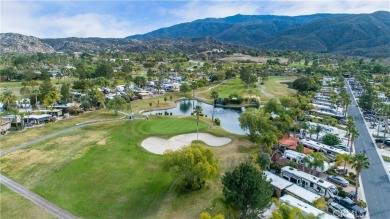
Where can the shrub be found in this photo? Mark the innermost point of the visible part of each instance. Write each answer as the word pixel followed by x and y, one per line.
pixel 217 121
pixel 75 110
pixel 361 203
pixel 342 193
pixel 276 167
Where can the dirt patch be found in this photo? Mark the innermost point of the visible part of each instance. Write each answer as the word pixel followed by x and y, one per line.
pixel 102 142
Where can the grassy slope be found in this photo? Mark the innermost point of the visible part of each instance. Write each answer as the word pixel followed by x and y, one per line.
pixel 101 172
pixel 273 87
pixel 276 89
pixel 15 206
pixel 16 138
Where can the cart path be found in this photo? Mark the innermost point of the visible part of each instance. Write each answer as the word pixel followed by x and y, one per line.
pixel 26 144
pixel 55 210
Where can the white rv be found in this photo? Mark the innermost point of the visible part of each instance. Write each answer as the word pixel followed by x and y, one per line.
pixel 309 182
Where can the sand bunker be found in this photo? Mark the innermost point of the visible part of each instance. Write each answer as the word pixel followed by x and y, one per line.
pixel 158 145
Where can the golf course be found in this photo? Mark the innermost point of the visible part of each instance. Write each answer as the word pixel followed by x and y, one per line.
pixel 101 170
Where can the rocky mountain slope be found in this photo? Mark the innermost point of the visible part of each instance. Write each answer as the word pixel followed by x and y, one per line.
pixel 12 43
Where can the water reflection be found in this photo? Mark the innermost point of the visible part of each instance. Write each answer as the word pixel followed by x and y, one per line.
pixel 228 116
pixel 185 106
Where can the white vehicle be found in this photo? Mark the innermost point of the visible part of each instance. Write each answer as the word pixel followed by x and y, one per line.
pixel 329 151
pixel 309 182
pixel 287 187
pixel 327 128
pixel 324 103
pixel 305 208
pixel 340 211
pixel 298 157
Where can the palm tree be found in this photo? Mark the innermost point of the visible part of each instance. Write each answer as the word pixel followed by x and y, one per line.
pixel 305 127
pixel 214 95
pixel 311 131
pixel 285 211
pixel 158 93
pixel 346 158
pixel 51 98
pixel 354 135
pixel 350 126
pixel 318 129
pixel 315 160
pixel 198 112
pixel 8 97
pixel 359 162
pixel 35 92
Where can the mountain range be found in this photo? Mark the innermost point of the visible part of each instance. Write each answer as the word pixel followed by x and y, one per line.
pixel 348 34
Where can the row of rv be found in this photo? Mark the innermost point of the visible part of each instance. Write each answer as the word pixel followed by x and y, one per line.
pixel 322 104
pixel 300 189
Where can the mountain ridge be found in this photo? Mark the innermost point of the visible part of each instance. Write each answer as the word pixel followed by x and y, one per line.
pixel 348 34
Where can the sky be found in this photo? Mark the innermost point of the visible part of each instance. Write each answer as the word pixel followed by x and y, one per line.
pixel 118 19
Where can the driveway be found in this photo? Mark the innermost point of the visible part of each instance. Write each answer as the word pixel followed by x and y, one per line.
pixel 376 183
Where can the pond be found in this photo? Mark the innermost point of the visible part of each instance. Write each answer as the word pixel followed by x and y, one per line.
pixel 228 116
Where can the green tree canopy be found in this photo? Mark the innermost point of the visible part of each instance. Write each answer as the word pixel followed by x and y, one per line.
pixel 45 88
pixel 116 104
pixel 247 190
pixel 193 165
pixel 104 70
pixel 185 88
pixel 330 139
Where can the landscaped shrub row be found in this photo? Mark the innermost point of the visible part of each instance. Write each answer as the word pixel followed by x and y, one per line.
pixel 165 114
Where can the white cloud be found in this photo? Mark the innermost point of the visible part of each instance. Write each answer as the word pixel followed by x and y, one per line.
pixel 205 9
pixel 25 18
pixel 300 7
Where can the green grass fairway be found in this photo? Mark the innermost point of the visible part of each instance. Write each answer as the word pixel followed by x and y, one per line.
pixel 16 138
pixel 15 206
pixel 234 86
pixel 100 171
pixel 272 89
pixel 275 88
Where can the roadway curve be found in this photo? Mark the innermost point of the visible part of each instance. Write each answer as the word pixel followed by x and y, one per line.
pixel 55 210
pixel 376 183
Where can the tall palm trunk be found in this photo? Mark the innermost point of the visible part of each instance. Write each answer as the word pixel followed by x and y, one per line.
pixel 357 185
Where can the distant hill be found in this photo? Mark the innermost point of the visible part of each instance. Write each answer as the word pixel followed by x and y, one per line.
pixel 363 34
pixel 223 27
pixel 352 34
pixel 21 44
pixel 12 43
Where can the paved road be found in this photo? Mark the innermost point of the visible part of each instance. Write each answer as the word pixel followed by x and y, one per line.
pixel 2 153
pixel 36 198
pixel 57 211
pixel 375 180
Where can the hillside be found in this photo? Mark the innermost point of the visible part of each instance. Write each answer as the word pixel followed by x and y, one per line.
pixel 12 43
pixel 21 44
pixel 351 35
pixel 354 34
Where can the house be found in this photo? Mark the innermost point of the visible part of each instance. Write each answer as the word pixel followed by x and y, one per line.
pixel 14 119
pixel 37 119
pixel 289 142
pixel 4 126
